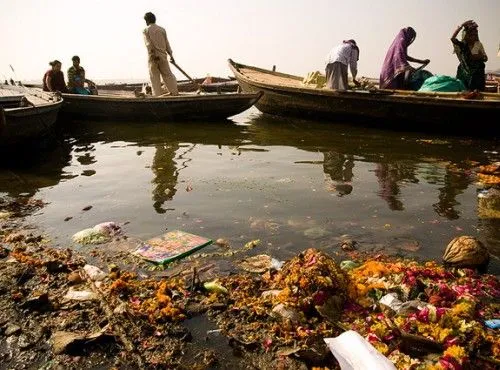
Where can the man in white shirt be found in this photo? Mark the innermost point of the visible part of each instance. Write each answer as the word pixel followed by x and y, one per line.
pixel 340 57
pixel 159 49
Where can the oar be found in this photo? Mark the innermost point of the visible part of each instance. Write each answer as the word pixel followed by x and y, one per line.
pixel 188 77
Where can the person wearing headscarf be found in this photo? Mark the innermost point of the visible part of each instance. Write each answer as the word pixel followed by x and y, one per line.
pixel 340 57
pixel 53 80
pixel 396 71
pixel 471 55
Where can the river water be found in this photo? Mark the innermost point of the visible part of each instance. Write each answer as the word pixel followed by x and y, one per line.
pixel 293 184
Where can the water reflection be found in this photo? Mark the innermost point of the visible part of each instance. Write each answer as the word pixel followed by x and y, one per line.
pixel 390 176
pixel 165 175
pixel 456 181
pixel 339 168
pixel 270 166
pixel 27 172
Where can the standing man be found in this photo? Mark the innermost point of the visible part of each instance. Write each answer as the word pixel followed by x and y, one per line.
pixel 159 49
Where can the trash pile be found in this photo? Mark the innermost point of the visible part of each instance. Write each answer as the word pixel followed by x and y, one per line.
pixel 419 315
pixel 488 178
pixel 61 309
pixel 489 175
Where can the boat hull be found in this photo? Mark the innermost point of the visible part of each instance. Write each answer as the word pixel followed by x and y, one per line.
pixel 194 107
pixel 22 125
pixel 378 108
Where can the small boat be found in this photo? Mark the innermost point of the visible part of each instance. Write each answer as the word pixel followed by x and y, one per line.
pixel 286 95
pixel 26 115
pixel 209 84
pixel 181 107
pixel 10 101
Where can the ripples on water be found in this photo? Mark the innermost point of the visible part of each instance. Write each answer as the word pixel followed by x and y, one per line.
pixel 293 184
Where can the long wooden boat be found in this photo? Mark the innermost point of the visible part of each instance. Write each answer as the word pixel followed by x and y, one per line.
pixel 32 116
pixel 286 95
pixel 182 107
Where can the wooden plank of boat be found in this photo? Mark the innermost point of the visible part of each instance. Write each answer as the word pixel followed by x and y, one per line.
pixel 10 101
pixel 182 107
pixel 285 95
pixel 24 123
pixel 218 84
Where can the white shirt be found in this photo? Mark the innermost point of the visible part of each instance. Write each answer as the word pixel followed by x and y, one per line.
pixel 346 55
pixel 155 38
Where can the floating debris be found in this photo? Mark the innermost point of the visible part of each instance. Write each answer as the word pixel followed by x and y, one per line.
pixel 99 234
pixel 315 233
pixel 466 251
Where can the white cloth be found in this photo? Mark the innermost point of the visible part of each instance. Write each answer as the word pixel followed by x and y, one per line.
pixel 345 54
pixel 155 38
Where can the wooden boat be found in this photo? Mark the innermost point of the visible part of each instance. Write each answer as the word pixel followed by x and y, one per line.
pixel 286 95
pixel 10 101
pixel 182 107
pixel 27 115
pixel 216 84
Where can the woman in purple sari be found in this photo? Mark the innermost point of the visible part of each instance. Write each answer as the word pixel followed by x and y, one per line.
pixel 396 71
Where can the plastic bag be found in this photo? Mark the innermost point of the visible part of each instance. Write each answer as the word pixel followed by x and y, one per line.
pixel 353 352
pixel 442 84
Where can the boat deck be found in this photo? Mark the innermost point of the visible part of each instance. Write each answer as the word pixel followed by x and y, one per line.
pixel 295 82
pixel 35 96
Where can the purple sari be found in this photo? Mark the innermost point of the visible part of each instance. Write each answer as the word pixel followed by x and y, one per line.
pixel 396 60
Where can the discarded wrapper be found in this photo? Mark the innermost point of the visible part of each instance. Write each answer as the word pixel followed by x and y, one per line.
pixel 353 352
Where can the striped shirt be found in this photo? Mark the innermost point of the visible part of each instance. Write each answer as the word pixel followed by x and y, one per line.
pixel 76 77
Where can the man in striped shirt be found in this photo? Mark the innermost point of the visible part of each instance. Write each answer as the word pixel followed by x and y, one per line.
pixel 77 80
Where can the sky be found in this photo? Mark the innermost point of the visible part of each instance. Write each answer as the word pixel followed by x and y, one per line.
pixel 294 35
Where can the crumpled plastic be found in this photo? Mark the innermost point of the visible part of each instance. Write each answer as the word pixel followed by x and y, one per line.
pixel 99 234
pixel 353 352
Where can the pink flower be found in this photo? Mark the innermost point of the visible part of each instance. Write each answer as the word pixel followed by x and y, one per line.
pixel 267 344
pixel 423 315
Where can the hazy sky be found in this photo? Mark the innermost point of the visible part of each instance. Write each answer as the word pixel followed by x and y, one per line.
pixel 295 35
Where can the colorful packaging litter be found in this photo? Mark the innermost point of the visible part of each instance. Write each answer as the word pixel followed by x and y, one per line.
pixel 171 246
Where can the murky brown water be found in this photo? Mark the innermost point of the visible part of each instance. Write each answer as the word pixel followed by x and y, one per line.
pixel 292 184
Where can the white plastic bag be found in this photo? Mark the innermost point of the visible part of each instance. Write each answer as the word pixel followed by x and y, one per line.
pixel 353 352
pixel 94 273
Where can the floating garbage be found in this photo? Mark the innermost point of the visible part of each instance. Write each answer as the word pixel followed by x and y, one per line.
pixel 171 246
pixel 492 324
pixel 489 204
pixel 62 341
pixel 94 273
pixel 5 215
pixel 315 233
pixel 353 352
pixel 466 251
pixel 80 295
pixel 215 287
pixel 348 265
pixel 489 174
pixel 417 315
pixel 257 264
pixel 252 244
pixel 99 234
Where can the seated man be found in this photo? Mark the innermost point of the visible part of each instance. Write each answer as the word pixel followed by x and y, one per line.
pixel 77 80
